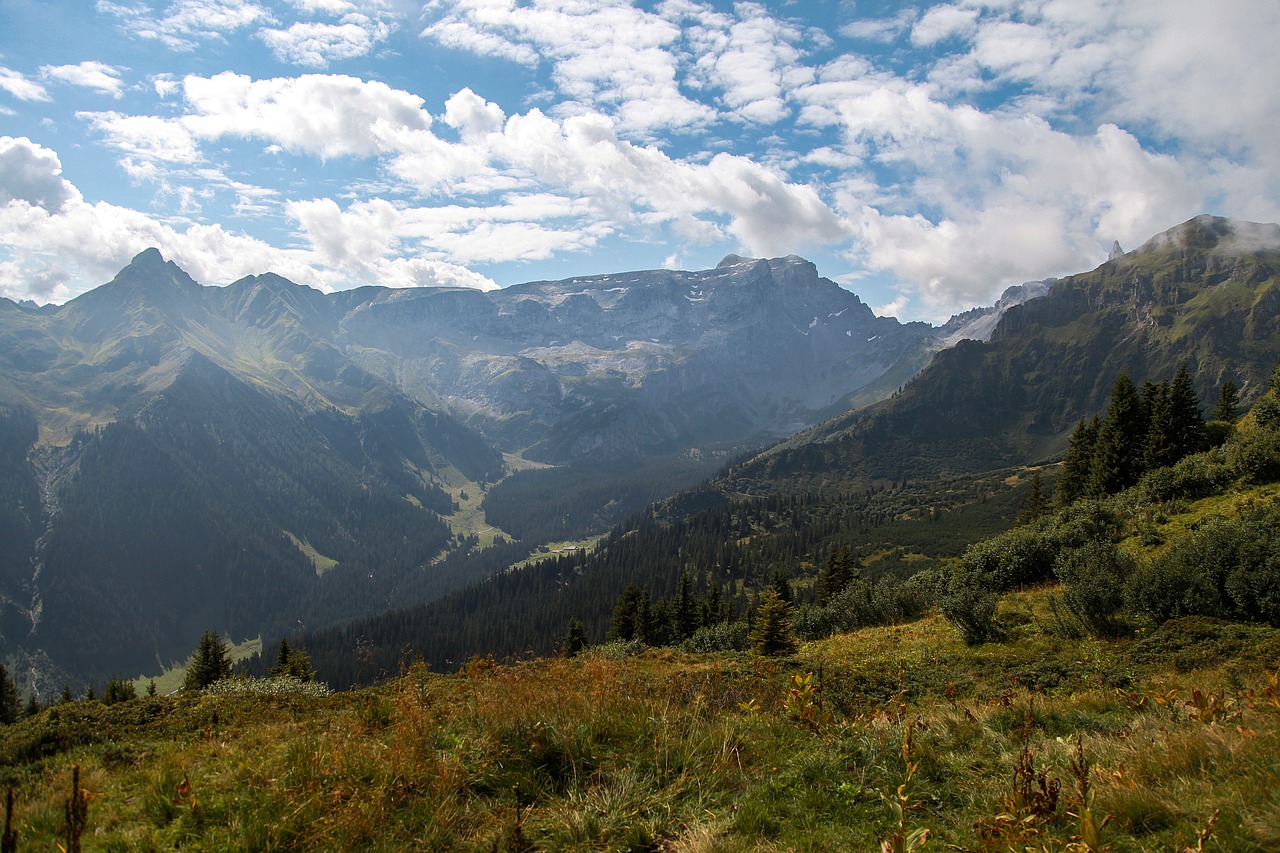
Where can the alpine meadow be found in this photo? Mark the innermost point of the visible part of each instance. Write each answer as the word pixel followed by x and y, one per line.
pixel 651 561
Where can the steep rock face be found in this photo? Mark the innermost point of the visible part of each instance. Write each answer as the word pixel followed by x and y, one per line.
pixel 619 365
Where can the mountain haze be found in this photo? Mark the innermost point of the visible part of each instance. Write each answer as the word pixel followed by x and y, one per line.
pixel 263 457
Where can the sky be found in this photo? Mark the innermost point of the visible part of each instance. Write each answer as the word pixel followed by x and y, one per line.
pixel 925 156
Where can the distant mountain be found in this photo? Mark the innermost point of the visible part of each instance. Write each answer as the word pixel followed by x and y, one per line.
pixel 263 456
pixel 927 471
pixel 1206 293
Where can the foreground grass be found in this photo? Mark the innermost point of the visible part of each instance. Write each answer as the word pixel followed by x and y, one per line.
pixel 1174 737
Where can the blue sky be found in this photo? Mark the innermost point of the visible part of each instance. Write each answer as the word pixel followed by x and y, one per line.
pixel 924 156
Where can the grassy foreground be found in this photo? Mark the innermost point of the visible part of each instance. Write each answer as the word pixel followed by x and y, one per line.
pixel 1166 742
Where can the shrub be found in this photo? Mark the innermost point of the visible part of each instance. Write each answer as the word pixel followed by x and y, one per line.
pixel 1093 578
pixel 1227 568
pixel 970 605
pixel 1254 455
pixel 1195 476
pixel 1021 556
pixel 721 637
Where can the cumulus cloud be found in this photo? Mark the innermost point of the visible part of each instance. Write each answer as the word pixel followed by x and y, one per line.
pixel 604 56
pixel 314 44
pixel 32 174
pixel 90 75
pixel 185 24
pixel 20 87
pixel 56 245
pixel 943 22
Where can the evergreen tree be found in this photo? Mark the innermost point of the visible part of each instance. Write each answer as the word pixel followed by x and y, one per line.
pixel 118 690
pixel 33 705
pixel 1034 506
pixel 1119 450
pixel 625 623
pixel 781 585
pixel 66 695
pixel 714 609
pixel 772 632
pixel 686 616
pixel 1228 408
pixel 151 687
pixel 210 663
pixel 10 703
pixel 660 624
pixel 575 639
pixel 840 571
pixel 1160 447
pixel 292 662
pixel 1073 479
pixel 1188 420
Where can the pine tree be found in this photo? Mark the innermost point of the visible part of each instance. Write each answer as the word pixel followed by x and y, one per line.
pixel 626 615
pixel 292 662
pixel 1188 420
pixel 1073 480
pixel 686 616
pixel 1118 452
pixel 1160 448
pixel 1034 506
pixel 33 705
pixel 210 663
pixel 840 571
pixel 1228 408
pixel 10 703
pixel 772 632
pixel 714 610
pixel 781 585
pixel 575 639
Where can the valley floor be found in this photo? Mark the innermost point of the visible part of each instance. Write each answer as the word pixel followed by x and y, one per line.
pixel 1041 742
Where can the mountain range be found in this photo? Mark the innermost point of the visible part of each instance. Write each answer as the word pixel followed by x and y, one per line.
pixel 265 458
pixel 262 456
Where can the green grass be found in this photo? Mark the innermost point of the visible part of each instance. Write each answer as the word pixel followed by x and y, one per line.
pixel 675 752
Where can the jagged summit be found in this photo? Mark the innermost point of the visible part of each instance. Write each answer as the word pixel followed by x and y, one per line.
pixel 1116 251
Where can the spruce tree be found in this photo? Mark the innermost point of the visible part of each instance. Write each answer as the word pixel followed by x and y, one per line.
pixel 210 663
pixel 292 662
pixel 626 615
pixel 1160 447
pixel 1119 450
pixel 1034 506
pixel 840 571
pixel 1073 479
pixel 686 616
pixel 10 703
pixel 781 585
pixel 1188 420
pixel 713 607
pixel 575 639
pixel 1228 408
pixel 772 632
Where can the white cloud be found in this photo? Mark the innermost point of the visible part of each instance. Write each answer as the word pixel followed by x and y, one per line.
pixel 55 245
pixel 17 85
pixel 753 60
pixel 90 75
pixel 146 138
pixel 880 29
pixel 32 174
pixel 184 24
pixel 329 115
pixel 315 45
pixel 606 56
pixel 943 22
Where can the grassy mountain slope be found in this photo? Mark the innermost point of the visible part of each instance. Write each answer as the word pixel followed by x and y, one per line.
pixel 1166 742
pixel 1206 293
